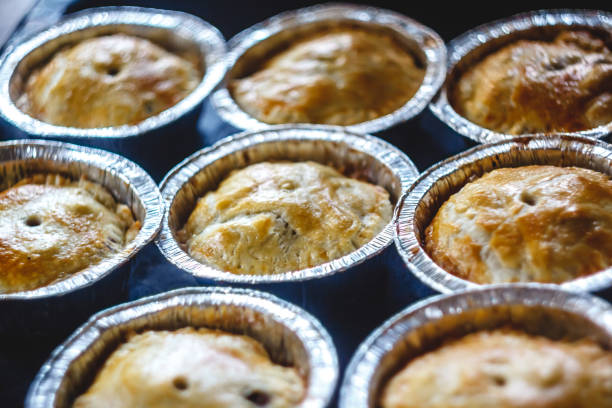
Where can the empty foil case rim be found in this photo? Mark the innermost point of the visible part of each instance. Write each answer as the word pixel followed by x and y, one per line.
pixel 429 41
pixel 357 388
pixel 208 39
pixel 391 157
pixel 114 167
pixel 462 45
pixel 409 245
pixel 321 353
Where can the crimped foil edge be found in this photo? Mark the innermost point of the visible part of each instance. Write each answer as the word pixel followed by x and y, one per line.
pixel 428 40
pixel 365 374
pixel 461 46
pixel 131 183
pixel 208 39
pixel 320 350
pixel 386 154
pixel 409 245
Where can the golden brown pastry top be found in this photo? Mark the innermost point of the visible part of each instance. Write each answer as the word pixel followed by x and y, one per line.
pixel 192 368
pixel 505 369
pixel 531 223
pixel 52 227
pixel 277 217
pixel 538 86
pixel 340 77
pixel 108 81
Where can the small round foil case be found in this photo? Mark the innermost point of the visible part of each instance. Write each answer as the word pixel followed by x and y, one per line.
pixel 67 302
pixel 472 46
pixel 178 32
pixel 290 335
pixel 191 179
pixel 250 47
pixel 421 201
pixel 536 310
pixel 370 282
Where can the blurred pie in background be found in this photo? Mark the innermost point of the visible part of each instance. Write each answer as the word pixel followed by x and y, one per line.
pixel 529 86
pixel 505 369
pixel 190 368
pixel 341 76
pixel 108 81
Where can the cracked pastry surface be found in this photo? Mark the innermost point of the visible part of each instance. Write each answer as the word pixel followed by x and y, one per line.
pixel 52 227
pixel 538 86
pixel 192 368
pixel 339 77
pixel 108 81
pixel 532 223
pixel 277 217
pixel 505 369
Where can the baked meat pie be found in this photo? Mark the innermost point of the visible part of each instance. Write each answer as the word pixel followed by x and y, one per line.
pixel 532 223
pixel 505 369
pixel 341 76
pixel 192 368
pixel 276 217
pixel 539 86
pixel 108 81
pixel 52 227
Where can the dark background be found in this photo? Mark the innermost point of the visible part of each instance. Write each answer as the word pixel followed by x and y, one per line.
pixel 21 358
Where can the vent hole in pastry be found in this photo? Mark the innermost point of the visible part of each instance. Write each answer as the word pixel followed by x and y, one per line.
pixel 112 71
pixel 499 381
pixel 180 383
pixel 148 107
pixel 527 198
pixel 563 62
pixel 33 221
pixel 259 398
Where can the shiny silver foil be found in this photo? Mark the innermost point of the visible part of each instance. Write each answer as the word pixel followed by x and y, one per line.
pixel 421 202
pixel 290 335
pixel 537 310
pixel 251 46
pixel 181 33
pixel 380 162
pixel 472 46
pixel 129 184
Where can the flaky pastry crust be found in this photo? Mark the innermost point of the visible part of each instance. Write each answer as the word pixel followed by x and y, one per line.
pixel 505 369
pixel 276 217
pixel 538 86
pixel 532 223
pixel 339 77
pixel 108 81
pixel 192 368
pixel 52 227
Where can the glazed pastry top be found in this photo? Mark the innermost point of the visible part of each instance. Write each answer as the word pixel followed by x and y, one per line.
pixel 108 81
pixel 339 77
pixel 538 86
pixel 52 227
pixel 277 217
pixel 531 223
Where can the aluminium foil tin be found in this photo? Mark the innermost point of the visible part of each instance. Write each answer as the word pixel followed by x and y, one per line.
pixel 63 304
pixel 181 33
pixel 371 282
pixel 537 310
pixel 290 335
pixel 421 201
pixel 470 47
pixel 249 48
